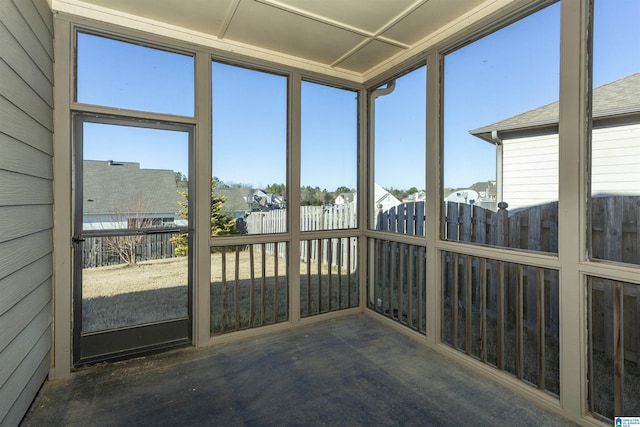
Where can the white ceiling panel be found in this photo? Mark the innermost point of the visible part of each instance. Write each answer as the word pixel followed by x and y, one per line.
pixel 275 29
pixel 428 18
pixel 206 16
pixel 348 37
pixel 369 56
pixel 367 15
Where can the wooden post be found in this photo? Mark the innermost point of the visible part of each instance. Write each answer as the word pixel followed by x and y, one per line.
pixel 541 327
pixel 224 289
pixel 252 301
pixel 451 220
pixel 480 225
pixel 613 252
pixel 237 286
pixel 501 237
pixel 618 349
pixel 411 218
pixel 465 222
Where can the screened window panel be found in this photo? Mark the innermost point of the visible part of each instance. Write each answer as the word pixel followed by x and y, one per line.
pixel 615 135
pixel 249 149
pixel 399 134
pixel 329 158
pixel 500 180
pixel 118 74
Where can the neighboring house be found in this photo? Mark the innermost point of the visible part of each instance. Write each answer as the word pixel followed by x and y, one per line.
pixel 344 198
pixel 418 196
pixel 262 201
pixel 527 147
pixel 113 196
pixel 383 199
pixel 237 201
pixel 466 195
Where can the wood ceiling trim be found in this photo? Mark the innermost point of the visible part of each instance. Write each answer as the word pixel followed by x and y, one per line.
pixel 233 7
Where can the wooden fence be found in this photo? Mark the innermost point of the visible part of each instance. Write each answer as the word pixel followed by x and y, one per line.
pixel 534 228
pixel 407 218
pixel 614 236
pixel 101 251
pixel 312 218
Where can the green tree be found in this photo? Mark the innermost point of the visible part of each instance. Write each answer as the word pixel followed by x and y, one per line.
pixel 277 189
pixel 221 223
pixel 343 189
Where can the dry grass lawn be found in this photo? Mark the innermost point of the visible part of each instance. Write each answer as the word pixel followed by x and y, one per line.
pixel 150 291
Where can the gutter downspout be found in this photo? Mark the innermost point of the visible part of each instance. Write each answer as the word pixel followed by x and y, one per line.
pixel 372 214
pixel 376 93
pixel 499 159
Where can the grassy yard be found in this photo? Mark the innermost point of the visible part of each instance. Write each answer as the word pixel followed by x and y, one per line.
pixel 126 295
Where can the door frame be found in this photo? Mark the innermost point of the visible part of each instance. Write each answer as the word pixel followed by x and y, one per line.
pixel 138 340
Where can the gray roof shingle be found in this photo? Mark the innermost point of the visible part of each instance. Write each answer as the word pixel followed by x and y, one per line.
pixel 618 98
pixel 119 188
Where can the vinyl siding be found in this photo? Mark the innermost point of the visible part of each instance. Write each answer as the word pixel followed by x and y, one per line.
pixel 26 197
pixel 530 166
pixel 530 171
pixel 616 160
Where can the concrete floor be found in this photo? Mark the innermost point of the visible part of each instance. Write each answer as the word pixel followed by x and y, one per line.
pixel 353 371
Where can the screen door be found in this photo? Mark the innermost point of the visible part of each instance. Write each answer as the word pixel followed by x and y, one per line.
pixel 132 234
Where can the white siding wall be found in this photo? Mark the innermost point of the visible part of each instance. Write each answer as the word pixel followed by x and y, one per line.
pixel 26 127
pixel 530 174
pixel 530 171
pixel 616 160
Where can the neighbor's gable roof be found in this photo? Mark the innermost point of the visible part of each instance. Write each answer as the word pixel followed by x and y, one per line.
pixel 235 199
pixel 617 99
pixel 347 197
pixel 115 188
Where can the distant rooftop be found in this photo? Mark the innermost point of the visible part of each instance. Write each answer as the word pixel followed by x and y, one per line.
pixel 111 187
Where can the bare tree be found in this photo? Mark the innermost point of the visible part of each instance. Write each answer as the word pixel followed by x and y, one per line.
pixel 126 247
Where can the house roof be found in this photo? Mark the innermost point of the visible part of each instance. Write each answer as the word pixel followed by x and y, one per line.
pixel 234 198
pixel 115 188
pixel 618 99
pixel 347 197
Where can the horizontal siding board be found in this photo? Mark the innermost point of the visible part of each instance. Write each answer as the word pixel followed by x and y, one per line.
pixel 532 170
pixel 617 132
pixel 26 196
pixel 37 330
pixel 15 320
pixel 623 168
pixel 19 29
pixel 24 159
pixel 15 287
pixel 17 221
pixel 18 253
pixel 17 189
pixel 28 378
pixel 37 25
pixel 24 66
pixel 540 180
pixel 21 126
pixel 615 160
pixel 544 157
pixel 20 94
pixel 615 151
pixel 46 14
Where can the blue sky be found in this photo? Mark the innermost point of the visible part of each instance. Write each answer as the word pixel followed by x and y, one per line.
pixel 249 126
pixel 503 74
pixel 400 133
